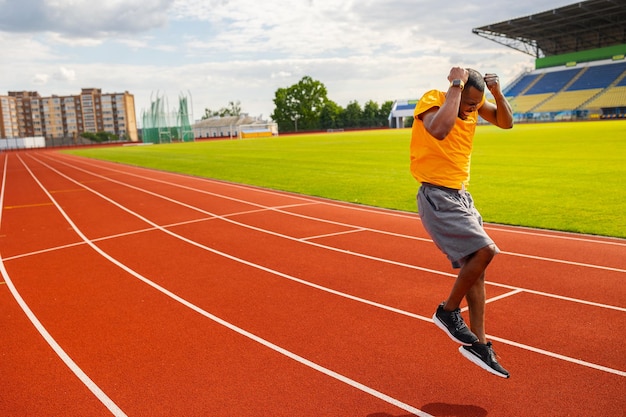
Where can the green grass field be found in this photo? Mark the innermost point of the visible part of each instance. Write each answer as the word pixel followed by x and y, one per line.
pixel 563 176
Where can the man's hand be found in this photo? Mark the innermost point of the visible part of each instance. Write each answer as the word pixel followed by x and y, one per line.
pixel 501 113
pixel 493 83
pixel 457 73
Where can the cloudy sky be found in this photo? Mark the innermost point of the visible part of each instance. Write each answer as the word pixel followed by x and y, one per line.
pixel 244 50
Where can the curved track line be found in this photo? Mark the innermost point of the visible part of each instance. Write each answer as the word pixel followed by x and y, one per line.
pixel 353 207
pixel 69 362
pixel 547 233
pixel 603 240
pixel 163 290
pixel 542 258
pixel 319 245
pixel 319 287
pixel 84 378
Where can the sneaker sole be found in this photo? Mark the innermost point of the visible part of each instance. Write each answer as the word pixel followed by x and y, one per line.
pixel 476 361
pixel 445 329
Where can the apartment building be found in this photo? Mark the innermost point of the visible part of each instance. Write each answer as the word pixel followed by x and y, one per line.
pixel 58 118
pixel 8 117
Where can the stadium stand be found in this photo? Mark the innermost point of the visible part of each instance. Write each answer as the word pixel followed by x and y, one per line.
pixel 569 90
pixel 523 84
pixel 579 54
pixel 597 77
pixel 553 82
pixel 580 64
pixel 524 104
pixel 592 91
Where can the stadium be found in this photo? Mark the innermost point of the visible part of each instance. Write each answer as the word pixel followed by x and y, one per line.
pixel 270 276
pixel 580 66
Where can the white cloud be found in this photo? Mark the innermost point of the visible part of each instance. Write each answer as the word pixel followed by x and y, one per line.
pixel 228 50
pixel 40 79
pixel 134 43
pixel 72 40
pixel 84 18
pixel 280 74
pixel 65 74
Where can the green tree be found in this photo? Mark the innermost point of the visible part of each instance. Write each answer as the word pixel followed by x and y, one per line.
pixel 210 113
pixel 233 109
pixel 383 114
pixel 353 114
pixel 305 106
pixel 99 136
pixel 284 110
pixel 299 107
pixel 331 116
pixel 370 114
pixel 90 136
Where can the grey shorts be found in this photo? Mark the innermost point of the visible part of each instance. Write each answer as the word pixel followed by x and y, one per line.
pixel 452 221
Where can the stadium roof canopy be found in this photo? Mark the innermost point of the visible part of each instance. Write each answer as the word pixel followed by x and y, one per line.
pixel 578 27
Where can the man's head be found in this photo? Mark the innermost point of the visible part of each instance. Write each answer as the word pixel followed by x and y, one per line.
pixel 472 93
pixel 475 79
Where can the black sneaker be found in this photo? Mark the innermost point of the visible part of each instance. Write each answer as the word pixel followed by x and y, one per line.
pixel 452 323
pixel 484 356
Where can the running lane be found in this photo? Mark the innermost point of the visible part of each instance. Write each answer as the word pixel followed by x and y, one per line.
pixel 352 294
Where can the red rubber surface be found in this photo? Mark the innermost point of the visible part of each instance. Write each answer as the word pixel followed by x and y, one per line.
pixel 170 295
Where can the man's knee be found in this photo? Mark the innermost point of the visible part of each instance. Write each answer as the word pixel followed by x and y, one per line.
pixel 484 255
pixel 487 253
pixel 490 249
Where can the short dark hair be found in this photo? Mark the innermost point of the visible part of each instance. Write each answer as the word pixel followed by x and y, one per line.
pixel 475 80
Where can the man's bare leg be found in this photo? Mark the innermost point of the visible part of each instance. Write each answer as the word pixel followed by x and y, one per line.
pixel 470 283
pixel 476 298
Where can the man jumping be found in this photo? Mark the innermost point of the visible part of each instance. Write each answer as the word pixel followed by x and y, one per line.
pixel 441 147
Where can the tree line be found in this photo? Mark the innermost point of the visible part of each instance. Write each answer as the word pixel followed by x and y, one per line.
pixel 100 137
pixel 306 106
pixel 233 109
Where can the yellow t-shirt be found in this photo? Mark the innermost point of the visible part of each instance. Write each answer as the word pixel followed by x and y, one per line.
pixel 442 162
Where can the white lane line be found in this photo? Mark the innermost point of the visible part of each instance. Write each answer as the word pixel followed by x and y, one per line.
pixel 543 233
pixel 341 294
pixel 4 177
pixel 330 248
pixel 345 232
pixel 560 357
pixel 542 258
pixel 163 290
pixel 574 300
pixel 499 297
pixel 603 240
pixel 69 362
pixel 351 207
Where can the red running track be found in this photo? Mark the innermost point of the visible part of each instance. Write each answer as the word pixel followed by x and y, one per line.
pixel 127 291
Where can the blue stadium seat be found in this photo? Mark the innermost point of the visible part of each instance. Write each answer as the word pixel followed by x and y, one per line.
pixel 598 77
pixel 521 85
pixel 553 82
